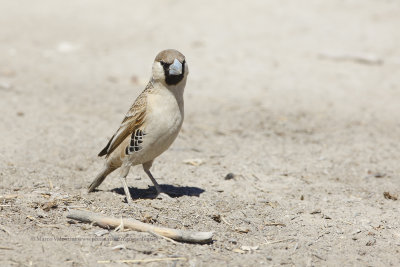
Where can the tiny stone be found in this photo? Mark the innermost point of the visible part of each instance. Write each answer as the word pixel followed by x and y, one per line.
pixel 216 217
pixel 229 176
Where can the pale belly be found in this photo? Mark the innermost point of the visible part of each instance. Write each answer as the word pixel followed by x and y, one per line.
pixel 163 125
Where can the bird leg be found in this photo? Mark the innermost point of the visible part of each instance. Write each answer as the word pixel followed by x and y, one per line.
pixel 156 185
pixel 124 173
pixel 146 168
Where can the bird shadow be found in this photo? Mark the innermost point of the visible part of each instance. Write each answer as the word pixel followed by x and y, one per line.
pixel 151 192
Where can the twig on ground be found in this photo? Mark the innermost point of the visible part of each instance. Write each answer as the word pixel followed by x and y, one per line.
pixel 50 184
pixel 318 256
pixel 368 59
pixel 277 241
pixel 8 197
pixel 6 248
pixel 144 260
pixel 274 224
pixel 110 222
pixel 119 247
pixel 295 247
pixel 225 221
pixel 72 207
pixel 48 225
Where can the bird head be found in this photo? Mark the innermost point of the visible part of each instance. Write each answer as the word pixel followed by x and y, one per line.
pixel 170 67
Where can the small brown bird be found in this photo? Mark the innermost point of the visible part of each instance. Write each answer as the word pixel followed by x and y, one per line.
pixel 151 124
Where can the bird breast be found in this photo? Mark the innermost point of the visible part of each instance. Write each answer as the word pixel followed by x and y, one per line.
pixel 164 119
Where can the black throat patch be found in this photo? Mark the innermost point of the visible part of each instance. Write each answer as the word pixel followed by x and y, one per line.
pixel 172 79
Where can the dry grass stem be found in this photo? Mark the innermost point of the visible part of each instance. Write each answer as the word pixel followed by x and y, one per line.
pixel 143 261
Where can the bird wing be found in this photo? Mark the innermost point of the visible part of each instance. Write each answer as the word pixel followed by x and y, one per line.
pixel 133 120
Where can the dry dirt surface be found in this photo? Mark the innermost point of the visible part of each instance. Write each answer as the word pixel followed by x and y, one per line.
pixel 298 101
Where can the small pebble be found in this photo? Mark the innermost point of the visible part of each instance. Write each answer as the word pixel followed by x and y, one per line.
pixel 229 176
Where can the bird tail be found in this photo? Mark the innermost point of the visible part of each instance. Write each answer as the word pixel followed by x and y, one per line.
pixel 100 178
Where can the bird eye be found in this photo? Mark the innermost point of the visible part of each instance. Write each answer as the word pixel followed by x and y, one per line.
pixel 165 65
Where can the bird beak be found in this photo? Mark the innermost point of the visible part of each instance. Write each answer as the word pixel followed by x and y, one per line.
pixel 175 68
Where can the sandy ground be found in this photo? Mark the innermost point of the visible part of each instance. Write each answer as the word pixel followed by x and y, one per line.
pixel 300 100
